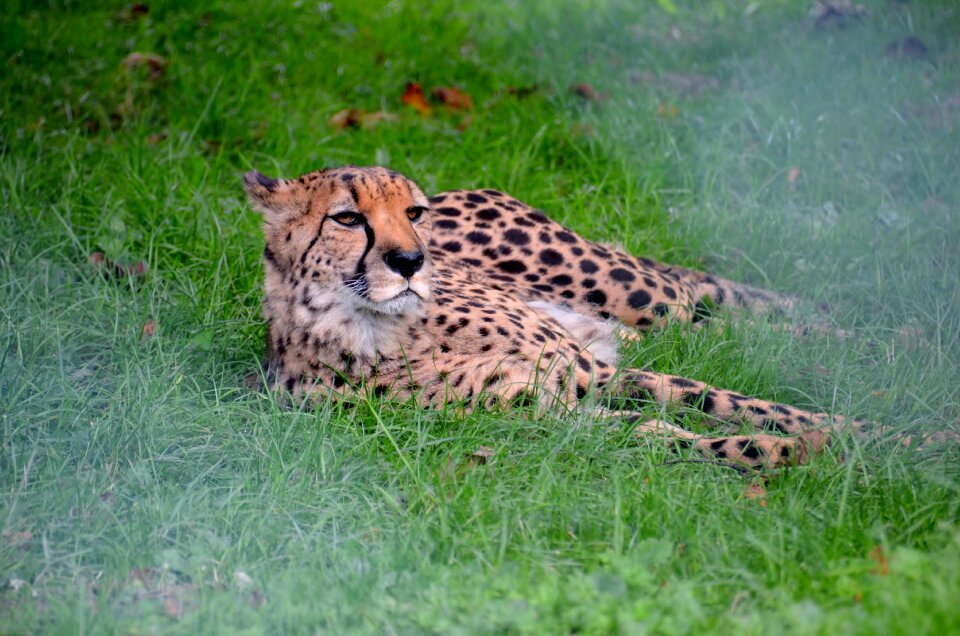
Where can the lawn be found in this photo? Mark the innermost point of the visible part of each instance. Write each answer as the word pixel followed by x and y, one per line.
pixel 146 489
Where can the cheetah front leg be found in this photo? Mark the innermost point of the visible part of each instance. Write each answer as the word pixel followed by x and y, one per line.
pixel 806 433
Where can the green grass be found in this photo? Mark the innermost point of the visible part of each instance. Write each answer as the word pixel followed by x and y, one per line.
pixel 144 490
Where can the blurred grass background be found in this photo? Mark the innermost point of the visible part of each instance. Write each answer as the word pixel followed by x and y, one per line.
pixel 145 491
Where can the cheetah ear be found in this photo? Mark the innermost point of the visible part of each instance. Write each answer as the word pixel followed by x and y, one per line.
pixel 277 199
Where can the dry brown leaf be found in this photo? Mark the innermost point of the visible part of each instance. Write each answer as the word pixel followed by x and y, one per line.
pixel 452 97
pixel 586 91
pixel 481 455
pixel 413 97
pixel 358 118
pixel 583 130
pixel 156 65
pixel 134 12
pixel 909 48
pixel 90 125
pixel 793 175
pixel 17 537
pixel 667 110
pixel 149 331
pixel 346 118
pixel 828 13
pixel 143 575
pixel 111 269
pixel 172 607
pixel 881 564
pixel 521 92
pixel 137 269
pixel 909 336
pixel 156 138
pixel 458 468
pixel 756 491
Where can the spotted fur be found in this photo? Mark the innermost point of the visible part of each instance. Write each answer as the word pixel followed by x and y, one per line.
pixel 474 297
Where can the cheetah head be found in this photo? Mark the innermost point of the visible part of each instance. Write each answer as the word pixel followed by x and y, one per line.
pixel 353 234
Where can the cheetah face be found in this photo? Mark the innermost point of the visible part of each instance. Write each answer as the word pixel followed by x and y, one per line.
pixel 355 235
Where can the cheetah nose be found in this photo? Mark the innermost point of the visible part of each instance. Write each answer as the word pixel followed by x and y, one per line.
pixel 404 263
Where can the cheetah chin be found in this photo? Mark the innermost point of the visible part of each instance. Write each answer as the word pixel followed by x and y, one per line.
pixel 406 302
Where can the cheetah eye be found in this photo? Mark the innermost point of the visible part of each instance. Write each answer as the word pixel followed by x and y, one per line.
pixel 348 218
pixel 415 212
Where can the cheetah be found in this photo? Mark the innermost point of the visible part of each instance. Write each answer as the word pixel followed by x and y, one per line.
pixel 475 298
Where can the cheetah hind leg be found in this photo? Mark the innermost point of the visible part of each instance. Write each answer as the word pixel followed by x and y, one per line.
pixel 757 452
pixel 785 435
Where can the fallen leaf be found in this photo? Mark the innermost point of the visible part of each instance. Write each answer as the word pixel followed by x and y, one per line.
pixel 521 92
pixel 908 48
pixel 156 138
pixel 588 92
pixel 452 97
pixel 755 491
pixel 358 118
pixel 458 468
pixel 413 97
pixel 143 575
pixel 793 175
pixel 835 13
pixel 881 564
pixel 667 110
pixel 17 537
pixel 583 130
pixel 149 329
pixel 155 64
pixel 134 12
pixel 137 269
pixel 480 456
pixel 117 270
pixel 909 336
pixel 90 125
pixel 172 607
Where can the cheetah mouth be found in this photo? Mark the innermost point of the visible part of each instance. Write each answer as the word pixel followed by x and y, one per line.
pixel 405 301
